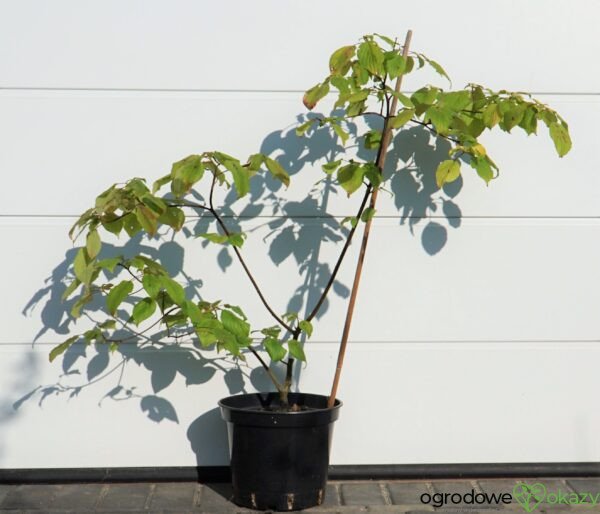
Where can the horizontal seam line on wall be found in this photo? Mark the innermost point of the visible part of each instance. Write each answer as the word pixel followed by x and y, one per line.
pixel 312 343
pixel 308 216
pixel 200 90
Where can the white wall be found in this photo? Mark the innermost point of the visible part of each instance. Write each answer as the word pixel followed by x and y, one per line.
pixel 475 338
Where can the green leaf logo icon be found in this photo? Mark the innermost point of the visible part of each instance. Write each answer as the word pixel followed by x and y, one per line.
pixel 529 496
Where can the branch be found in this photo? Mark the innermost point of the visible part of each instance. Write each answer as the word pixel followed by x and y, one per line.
pixel 433 131
pixel 267 369
pixel 316 308
pixel 242 262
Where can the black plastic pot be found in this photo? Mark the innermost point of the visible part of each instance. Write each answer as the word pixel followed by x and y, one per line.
pixel 279 460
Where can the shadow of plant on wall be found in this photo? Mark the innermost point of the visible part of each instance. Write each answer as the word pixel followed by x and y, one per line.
pixel 291 229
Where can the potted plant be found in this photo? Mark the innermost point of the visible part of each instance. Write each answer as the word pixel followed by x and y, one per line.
pixel 279 441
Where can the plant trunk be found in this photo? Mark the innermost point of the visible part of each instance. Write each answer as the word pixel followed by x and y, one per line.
pixel 385 141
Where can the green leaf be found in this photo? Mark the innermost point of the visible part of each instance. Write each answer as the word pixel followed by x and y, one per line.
pixel 143 310
pixel 301 129
pixel 173 289
pixel 109 264
pixel 273 331
pixel 214 238
pixel 152 284
pixel 372 139
pixel 343 135
pixel 147 218
pixel 455 100
pixel 353 220
pixel 441 118
pixel 131 224
pixel 330 167
pixel 560 136
pixel 359 96
pixel 113 224
pixel 117 294
pixel 206 336
pixel 513 116
pixel 241 177
pixel 93 244
pixel 82 269
pixel 368 214
pixel 62 348
pixel 447 171
pixel 274 348
pixel 70 289
pixel 277 171
pixel 236 239
pixel 491 115
pixel 295 349
pixel 78 305
pixel 403 117
pixel 109 324
pixel 235 325
pixel 185 173
pixel 161 182
pixel 174 217
pixel 529 121
pixel 404 100
pixel 373 174
pixel 314 94
pixel 423 98
pixel 438 69
pixel 371 57
pixel 483 168
pixel 237 310
pixel 395 64
pixel 350 177
pixel 157 205
pixel 340 60
pixel 306 327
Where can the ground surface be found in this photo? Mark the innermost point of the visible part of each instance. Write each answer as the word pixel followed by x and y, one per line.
pixel 342 497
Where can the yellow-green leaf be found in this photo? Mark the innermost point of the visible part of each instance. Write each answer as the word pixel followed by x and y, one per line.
pixel 62 348
pixel 93 244
pixel 295 349
pixel 277 171
pixel 314 94
pixel 447 171
pixel 560 136
pixel 402 118
pixel 339 62
pixel 117 294
pixel 143 310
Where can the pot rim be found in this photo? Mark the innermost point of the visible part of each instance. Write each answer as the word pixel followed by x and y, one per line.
pixel 223 405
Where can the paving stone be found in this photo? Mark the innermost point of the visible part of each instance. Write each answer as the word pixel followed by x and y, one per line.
pixel 407 493
pixel 4 491
pixel 215 498
pixel 77 496
pixel 173 496
pixel 33 497
pixel 361 493
pixel 582 485
pixel 125 497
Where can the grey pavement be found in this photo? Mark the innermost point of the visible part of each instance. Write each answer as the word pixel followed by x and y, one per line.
pixel 341 497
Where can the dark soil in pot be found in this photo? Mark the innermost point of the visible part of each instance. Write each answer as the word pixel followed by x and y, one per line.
pixel 279 458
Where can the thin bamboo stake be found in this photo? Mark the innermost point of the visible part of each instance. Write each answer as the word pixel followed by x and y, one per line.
pixel 385 141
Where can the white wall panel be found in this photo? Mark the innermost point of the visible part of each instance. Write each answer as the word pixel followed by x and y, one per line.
pixel 75 144
pixel 477 316
pixel 424 403
pixel 283 45
pixel 488 280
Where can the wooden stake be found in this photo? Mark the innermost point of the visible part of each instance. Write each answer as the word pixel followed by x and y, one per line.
pixel 385 141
